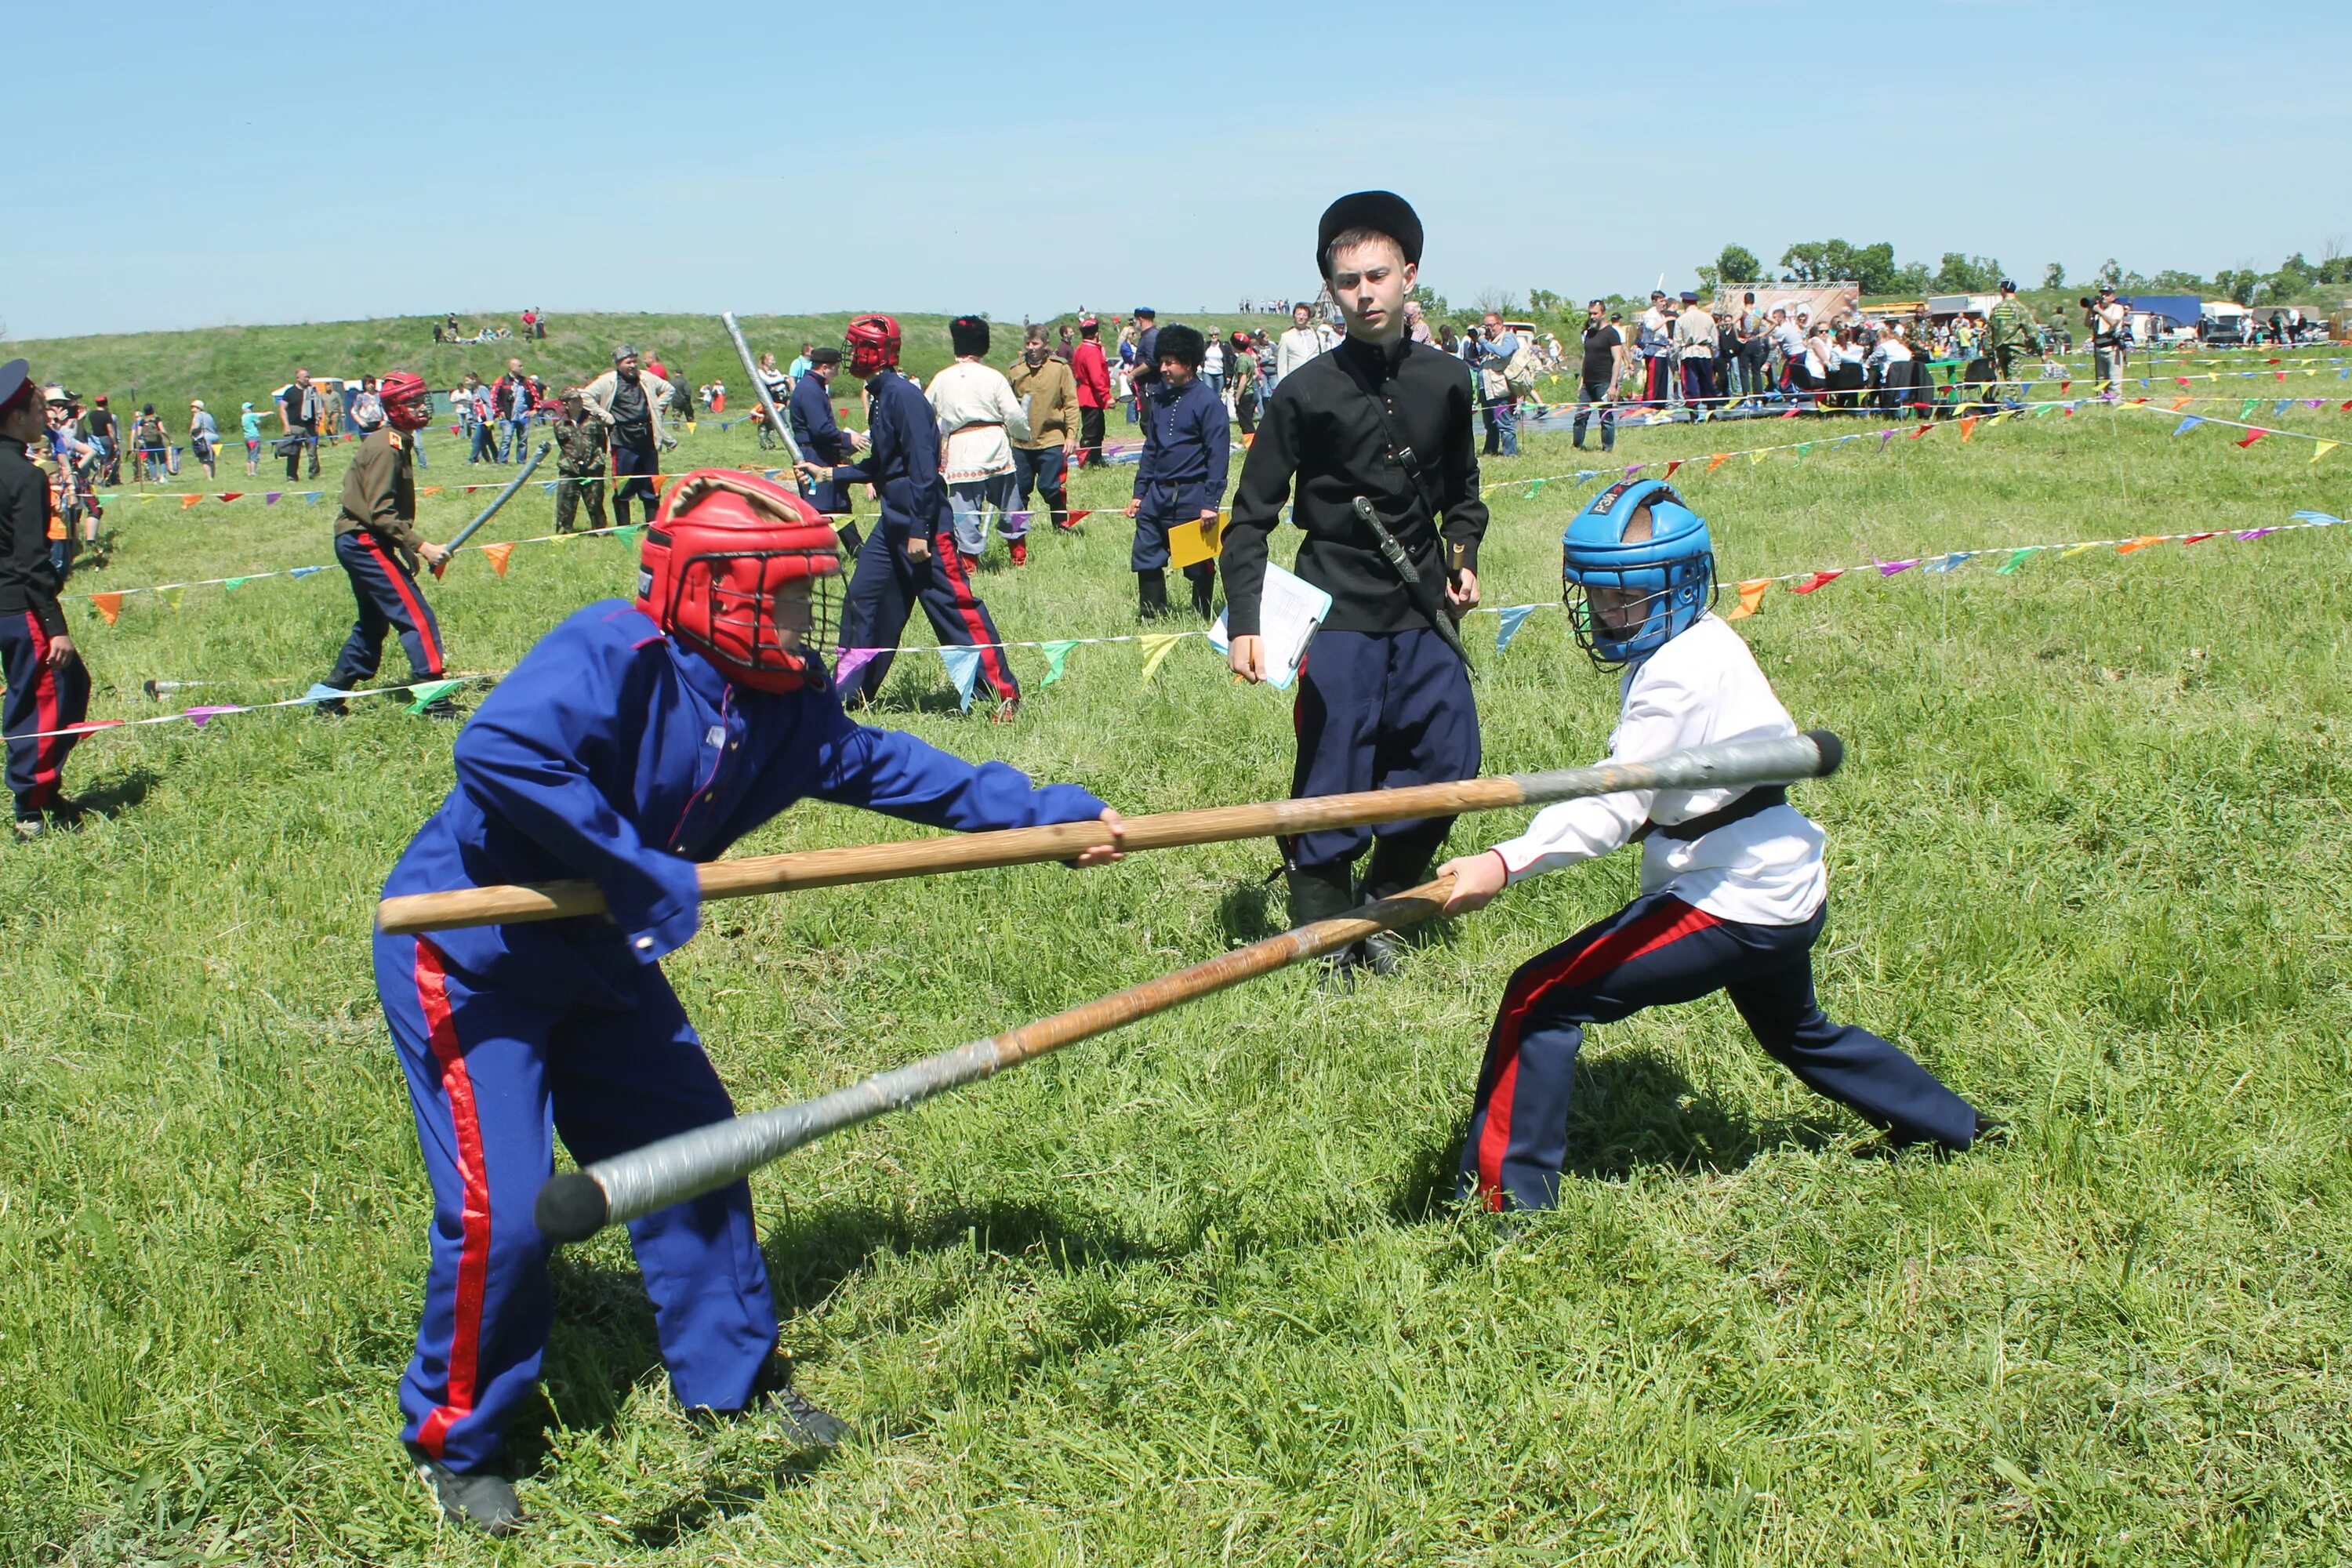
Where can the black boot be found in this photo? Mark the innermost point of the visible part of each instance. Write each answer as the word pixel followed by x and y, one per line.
pixel 479 1499
pixel 1151 593
pixel 772 1391
pixel 1399 862
pixel 1204 597
pixel 1322 893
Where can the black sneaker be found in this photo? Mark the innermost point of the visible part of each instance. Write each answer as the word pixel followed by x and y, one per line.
pixel 773 1392
pixel 479 1500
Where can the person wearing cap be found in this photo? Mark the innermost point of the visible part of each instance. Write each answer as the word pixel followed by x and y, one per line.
pixel 1092 373
pixel 76 462
pixel 1384 697
pixel 204 438
pixel 1180 476
pixel 1041 459
pixel 580 463
pixel 1147 355
pixel 248 424
pixel 378 547
pixel 820 439
pixel 628 400
pixel 48 690
pixel 2009 334
pixel 980 419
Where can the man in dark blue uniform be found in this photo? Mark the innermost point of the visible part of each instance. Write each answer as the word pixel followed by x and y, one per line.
pixel 910 558
pixel 1181 477
pixel 48 690
pixel 631 742
pixel 820 440
pixel 1384 697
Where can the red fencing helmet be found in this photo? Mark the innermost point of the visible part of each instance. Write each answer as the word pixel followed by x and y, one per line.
pixel 407 404
pixel 873 344
pixel 739 568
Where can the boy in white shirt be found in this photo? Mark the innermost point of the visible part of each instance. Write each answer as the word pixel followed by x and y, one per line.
pixel 980 419
pixel 1734 894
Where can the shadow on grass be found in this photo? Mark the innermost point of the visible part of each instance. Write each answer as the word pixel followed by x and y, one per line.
pixel 117 795
pixel 1632 1111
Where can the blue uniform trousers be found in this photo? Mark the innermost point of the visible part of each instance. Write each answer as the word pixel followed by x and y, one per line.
pixel 1380 710
pixel 388 599
pixel 40 701
pixel 1656 951
pixel 493 1076
pixel 889 584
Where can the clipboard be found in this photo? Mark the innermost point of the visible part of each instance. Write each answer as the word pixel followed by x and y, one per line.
pixel 1290 612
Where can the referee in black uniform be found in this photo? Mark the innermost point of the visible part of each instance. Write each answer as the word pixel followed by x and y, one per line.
pixel 1384 697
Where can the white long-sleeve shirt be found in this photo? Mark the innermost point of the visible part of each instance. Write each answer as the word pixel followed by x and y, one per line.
pixel 1702 687
pixel 1298 345
pixel 979 418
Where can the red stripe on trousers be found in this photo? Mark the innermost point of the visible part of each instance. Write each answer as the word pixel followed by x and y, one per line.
pixel 474 1252
pixel 417 615
pixel 47 769
pixel 992 658
pixel 1673 920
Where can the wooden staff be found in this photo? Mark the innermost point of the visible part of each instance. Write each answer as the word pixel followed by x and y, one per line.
pixel 577 1204
pixel 1728 765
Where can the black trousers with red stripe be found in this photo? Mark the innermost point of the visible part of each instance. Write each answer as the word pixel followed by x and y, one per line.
pixel 889 585
pixel 1656 951
pixel 39 701
pixel 388 599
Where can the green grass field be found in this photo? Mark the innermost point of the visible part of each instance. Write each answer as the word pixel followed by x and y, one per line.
pixel 1191 1292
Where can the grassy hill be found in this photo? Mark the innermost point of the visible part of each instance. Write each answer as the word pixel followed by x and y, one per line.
pixel 229 365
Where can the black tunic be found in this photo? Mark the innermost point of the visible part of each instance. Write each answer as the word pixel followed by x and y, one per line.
pixel 1321 427
pixel 29 582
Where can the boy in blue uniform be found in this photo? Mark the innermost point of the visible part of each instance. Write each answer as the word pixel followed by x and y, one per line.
pixel 1734 894
pixel 631 742
pixel 1181 477
pixel 820 440
pixel 910 557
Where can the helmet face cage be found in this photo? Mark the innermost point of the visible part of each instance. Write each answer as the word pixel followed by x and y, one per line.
pixel 748 612
pixel 1665 600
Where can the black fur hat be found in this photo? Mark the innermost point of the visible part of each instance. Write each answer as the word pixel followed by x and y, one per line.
pixel 1184 343
pixel 969 335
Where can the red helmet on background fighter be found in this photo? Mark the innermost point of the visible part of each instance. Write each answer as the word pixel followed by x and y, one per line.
pixel 873 344
pixel 741 570
pixel 407 402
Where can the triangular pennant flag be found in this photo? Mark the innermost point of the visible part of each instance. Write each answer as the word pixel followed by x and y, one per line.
pixel 2253 436
pixel 198 716
pixel 2063 386
pixel 108 605
pixel 227 495
pixel 2016 558
pixel 1756 457
pixel 548 488
pixel 963 670
pixel 234 584
pixel 2250 534
pixel 1950 563
pixel 1803 447
pixel 2142 542
pixel 1922 430
pixel 435 489
pixel 1672 464
pixel 1512 618
pixel 2188 422
pixel 1057 654
pixel 1818 580
pixel 2200 538
pixel 2180 403
pixel 1535 488
pixel 1751 598
pixel 2246 409
pixel 1884 437
pixel 313 496
pixel 2074 550
pixel 1076 517
pixel 304 571
pixel 848 661
pixel 423 696
pixel 1633 468
pixel 187 501
pixel 1716 459
pixel 273 498
pixel 658 480
pixel 496 555
pixel 174 593
pixel 1889 568
pixel 1156 646
pixel 630 534
pixel 2322 449
pixel 1967 427
pixel 2281 407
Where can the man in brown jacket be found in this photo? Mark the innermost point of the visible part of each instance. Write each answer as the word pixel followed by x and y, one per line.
pixel 377 543
pixel 1042 461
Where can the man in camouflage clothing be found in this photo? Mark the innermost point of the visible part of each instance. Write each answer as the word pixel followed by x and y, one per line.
pixel 2008 336
pixel 581 467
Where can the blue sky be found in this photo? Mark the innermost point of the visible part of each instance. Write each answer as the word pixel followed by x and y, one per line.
pixel 358 161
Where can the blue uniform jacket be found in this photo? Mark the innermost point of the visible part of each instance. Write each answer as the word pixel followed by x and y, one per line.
pixel 1186 449
pixel 902 457
pixel 820 440
pixel 617 754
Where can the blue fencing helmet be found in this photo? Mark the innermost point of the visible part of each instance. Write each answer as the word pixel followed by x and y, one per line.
pixel 1637 568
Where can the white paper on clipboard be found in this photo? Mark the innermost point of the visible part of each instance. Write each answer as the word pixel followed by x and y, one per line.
pixel 1289 612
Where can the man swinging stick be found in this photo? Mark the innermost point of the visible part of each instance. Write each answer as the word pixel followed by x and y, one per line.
pixel 635 741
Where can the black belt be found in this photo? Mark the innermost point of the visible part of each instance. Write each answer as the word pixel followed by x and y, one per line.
pixel 1761 799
